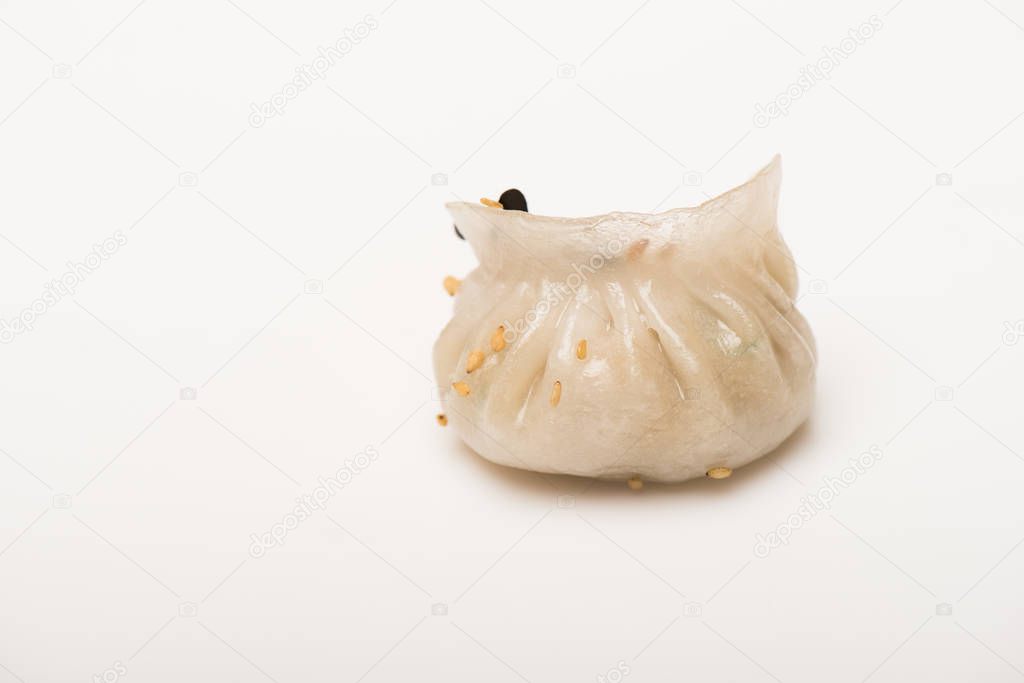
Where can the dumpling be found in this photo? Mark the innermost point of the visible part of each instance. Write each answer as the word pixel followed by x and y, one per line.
pixel 634 346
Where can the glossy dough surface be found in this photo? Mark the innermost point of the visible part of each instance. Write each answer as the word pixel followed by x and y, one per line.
pixel 657 346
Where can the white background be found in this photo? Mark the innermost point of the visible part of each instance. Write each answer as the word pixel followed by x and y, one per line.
pixel 126 511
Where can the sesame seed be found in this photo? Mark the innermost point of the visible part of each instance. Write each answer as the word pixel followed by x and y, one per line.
pixel 451 285
pixel 636 249
pixel 475 360
pixel 512 200
pixel 556 393
pixel 498 339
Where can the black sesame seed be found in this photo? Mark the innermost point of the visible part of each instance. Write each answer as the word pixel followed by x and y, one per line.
pixel 457 233
pixel 513 200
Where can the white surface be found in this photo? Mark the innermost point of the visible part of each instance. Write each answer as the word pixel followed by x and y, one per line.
pixel 915 283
